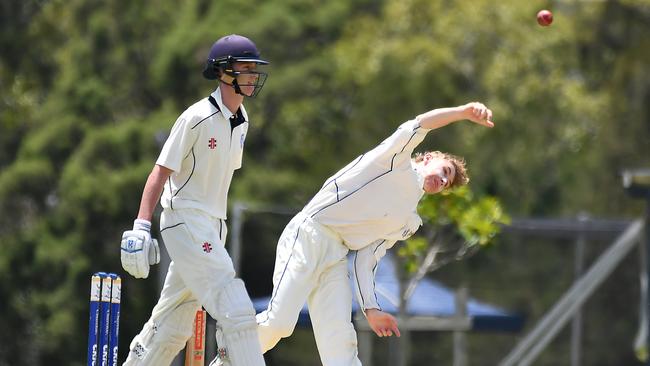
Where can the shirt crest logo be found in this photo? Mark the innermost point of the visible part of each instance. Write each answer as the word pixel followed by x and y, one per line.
pixel 212 143
pixel 207 247
pixel 241 140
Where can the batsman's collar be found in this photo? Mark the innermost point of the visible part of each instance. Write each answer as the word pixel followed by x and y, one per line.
pixel 418 175
pixel 224 110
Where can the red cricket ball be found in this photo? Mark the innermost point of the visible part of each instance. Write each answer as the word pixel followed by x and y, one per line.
pixel 544 18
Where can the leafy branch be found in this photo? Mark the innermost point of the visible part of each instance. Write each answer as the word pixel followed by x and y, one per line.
pixel 456 225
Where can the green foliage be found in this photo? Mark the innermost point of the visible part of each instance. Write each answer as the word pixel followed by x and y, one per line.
pixel 16 104
pixel 550 116
pixel 86 86
pixel 411 253
pixel 476 219
pixel 453 219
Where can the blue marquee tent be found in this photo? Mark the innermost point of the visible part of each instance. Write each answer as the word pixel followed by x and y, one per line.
pixel 430 298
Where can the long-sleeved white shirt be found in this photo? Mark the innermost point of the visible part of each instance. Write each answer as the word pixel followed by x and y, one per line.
pixel 372 203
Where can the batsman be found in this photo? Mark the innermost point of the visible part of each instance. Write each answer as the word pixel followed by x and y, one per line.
pixel 193 174
pixel 367 206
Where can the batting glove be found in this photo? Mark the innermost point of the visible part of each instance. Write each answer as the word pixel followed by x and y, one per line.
pixel 139 250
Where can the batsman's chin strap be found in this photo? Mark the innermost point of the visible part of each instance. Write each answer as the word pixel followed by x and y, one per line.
pixel 235 120
pixel 235 85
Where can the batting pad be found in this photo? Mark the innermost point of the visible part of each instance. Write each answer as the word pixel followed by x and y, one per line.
pixel 158 344
pixel 237 339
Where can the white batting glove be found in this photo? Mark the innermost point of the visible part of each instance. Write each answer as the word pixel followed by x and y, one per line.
pixel 139 250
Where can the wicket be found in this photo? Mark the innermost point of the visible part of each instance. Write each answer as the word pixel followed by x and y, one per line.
pixel 104 325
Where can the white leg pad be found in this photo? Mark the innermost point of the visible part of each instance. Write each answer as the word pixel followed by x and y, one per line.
pixel 237 340
pixel 158 344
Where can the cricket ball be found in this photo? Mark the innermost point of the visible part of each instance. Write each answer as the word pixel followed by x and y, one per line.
pixel 544 18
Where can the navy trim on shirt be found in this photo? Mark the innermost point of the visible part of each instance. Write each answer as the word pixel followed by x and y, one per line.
pixel 171 227
pixel 214 103
pixel 235 120
pixel 374 285
pixel 368 182
pixel 188 178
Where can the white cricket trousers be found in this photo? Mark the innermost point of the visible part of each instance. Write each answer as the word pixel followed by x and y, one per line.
pixel 200 267
pixel 311 265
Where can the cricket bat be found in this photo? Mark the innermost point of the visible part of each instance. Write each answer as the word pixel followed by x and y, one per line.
pixel 195 348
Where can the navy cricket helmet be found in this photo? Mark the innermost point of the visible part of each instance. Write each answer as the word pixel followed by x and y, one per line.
pixel 228 50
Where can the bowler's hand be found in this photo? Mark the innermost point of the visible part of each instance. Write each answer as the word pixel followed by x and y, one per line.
pixel 383 324
pixel 478 113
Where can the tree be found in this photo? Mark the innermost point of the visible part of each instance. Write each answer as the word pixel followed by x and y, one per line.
pixel 86 86
pixel 456 225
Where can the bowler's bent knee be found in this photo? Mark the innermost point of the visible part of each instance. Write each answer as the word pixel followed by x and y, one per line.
pixel 271 329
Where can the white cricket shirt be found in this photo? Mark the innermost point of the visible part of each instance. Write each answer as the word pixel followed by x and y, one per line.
pixel 372 203
pixel 376 195
pixel 203 151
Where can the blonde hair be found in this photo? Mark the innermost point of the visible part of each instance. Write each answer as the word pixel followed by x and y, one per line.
pixel 460 178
